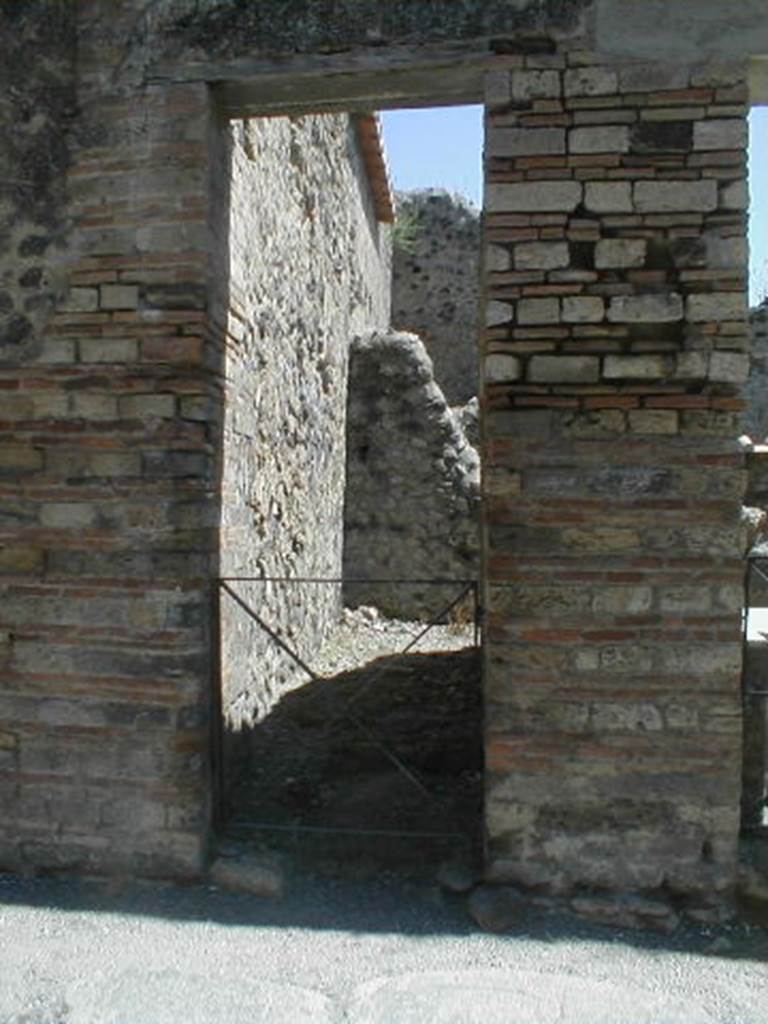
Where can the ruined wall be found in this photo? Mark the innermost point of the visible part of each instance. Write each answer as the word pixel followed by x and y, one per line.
pixel 309 268
pixel 616 344
pixel 755 421
pixel 412 502
pixel 436 283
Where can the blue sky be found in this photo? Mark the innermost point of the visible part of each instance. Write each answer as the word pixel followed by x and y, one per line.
pixel 441 147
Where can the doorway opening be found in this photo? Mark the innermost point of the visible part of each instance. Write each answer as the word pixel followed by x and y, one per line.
pixel 349 732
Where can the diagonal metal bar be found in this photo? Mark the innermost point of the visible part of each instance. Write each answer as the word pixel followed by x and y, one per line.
pixel 408 647
pixel 271 632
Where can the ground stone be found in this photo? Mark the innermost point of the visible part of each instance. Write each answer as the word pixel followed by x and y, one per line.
pixel 496 908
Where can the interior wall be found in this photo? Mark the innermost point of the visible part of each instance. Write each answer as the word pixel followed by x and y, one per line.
pixel 309 268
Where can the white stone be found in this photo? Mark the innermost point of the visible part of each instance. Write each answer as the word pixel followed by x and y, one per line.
pixel 652 77
pixel 564 369
pixel 500 367
pixel 497 258
pixel 716 306
pixel 620 252
pixel 497 313
pixel 675 196
pixel 525 141
pixel 81 300
pixel 591 81
pixel 538 311
pixel 602 138
pixel 541 255
pixel 729 367
pixel 498 88
pixel 734 196
pixel 720 133
pixel 645 367
pixel 653 421
pixel 692 366
pixel 119 296
pixel 583 309
pixel 533 197
pixel 730 252
pixel 535 85
pixel 608 197
pixel 649 309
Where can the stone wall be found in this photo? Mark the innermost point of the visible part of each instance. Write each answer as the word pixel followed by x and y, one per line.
pixel 755 422
pixel 309 268
pixel 616 345
pixel 412 503
pixel 436 282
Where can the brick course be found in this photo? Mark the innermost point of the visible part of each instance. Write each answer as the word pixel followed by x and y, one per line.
pixel 613 553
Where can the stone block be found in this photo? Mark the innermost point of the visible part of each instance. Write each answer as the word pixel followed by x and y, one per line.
pixel 536 85
pixel 729 367
pixel 590 81
pixel 141 406
pixel 605 138
pixel 497 313
pixel 533 197
pixel 501 367
pixel 653 421
pixel 541 255
pixel 81 300
pixel 652 77
pixel 620 253
pixel 119 296
pixel 564 369
pixel 509 142
pixel 734 196
pixel 94 406
pixel 623 600
pixel 685 599
pixel 716 307
pixel 112 464
pixel 656 137
pixel 596 423
pixel 726 252
pixel 20 459
pixel 646 367
pixel 675 196
pixel 649 309
pixel 67 515
pixel 608 197
pixel 538 311
pixel 259 875
pixel 498 89
pixel 108 350
pixel 582 309
pixel 20 558
pixel 691 366
pixel 720 133
pixel 497 258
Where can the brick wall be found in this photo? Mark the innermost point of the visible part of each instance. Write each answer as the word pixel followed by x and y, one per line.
pixel 107 535
pixel 615 348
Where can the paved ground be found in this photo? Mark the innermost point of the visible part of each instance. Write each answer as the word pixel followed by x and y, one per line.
pixel 387 952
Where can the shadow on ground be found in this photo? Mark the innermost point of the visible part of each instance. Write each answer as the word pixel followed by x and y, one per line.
pixel 376 768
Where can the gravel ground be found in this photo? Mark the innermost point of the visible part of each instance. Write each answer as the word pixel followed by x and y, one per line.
pixel 365 634
pixel 386 952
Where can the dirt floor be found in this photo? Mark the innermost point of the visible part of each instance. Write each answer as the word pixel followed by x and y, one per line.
pixel 393 746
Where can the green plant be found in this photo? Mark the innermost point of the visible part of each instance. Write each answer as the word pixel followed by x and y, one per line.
pixel 405 231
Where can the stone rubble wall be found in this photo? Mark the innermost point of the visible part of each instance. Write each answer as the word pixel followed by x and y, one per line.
pixel 309 268
pixel 436 285
pixel 412 481
pixel 616 345
pixel 755 422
